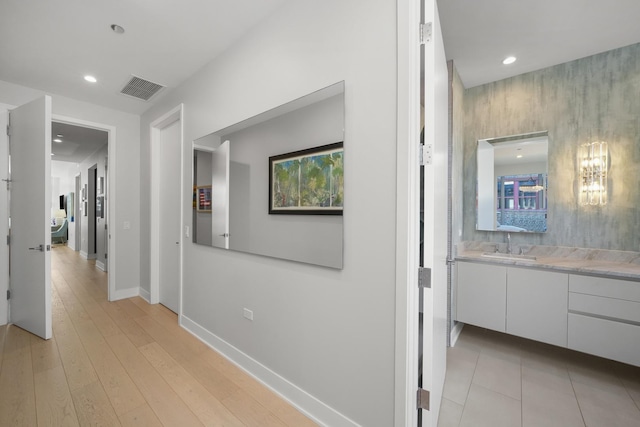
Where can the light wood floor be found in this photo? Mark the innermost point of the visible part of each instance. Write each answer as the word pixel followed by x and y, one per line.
pixel 123 363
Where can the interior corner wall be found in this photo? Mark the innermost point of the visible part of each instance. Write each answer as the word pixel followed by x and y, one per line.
pixel 589 99
pixel 127 178
pixel 327 334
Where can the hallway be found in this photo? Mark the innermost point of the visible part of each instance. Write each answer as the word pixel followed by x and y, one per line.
pixel 123 363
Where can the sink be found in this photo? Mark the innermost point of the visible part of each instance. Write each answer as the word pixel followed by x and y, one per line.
pixel 512 257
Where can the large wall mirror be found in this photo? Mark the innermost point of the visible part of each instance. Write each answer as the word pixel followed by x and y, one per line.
pixel 512 183
pixel 233 203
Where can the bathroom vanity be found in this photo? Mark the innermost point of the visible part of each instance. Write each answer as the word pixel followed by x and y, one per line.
pixel 583 299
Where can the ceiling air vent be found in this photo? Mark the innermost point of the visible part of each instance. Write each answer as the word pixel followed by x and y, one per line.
pixel 141 88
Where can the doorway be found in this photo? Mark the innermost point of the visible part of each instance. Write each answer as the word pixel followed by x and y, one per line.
pixel 166 214
pixel 85 148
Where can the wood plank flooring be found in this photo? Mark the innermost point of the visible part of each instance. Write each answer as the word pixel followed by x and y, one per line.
pixel 123 363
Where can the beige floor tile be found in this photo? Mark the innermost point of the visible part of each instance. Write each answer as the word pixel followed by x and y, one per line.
pixel 544 405
pixel 486 408
pixel 557 382
pixel 604 405
pixel 461 364
pixel 450 414
pixel 498 374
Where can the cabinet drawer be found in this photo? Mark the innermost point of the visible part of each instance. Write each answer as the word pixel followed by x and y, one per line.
pixel 612 288
pixel 605 338
pixel 608 307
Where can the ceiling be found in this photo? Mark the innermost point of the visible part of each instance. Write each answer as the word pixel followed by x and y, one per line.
pixel 77 144
pixel 51 45
pixel 478 35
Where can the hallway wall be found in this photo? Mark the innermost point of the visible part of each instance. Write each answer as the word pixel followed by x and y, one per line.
pixel 321 336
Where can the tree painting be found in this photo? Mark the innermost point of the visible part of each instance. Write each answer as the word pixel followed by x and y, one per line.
pixel 310 181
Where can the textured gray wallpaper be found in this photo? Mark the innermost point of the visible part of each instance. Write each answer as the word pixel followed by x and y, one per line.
pixel 590 99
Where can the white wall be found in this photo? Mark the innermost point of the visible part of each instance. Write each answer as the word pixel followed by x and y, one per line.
pixel 127 161
pixel 317 333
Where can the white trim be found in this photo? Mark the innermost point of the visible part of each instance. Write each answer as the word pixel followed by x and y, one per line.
pixel 144 294
pixel 455 333
pixel 407 213
pixel 175 114
pixel 84 255
pixel 313 408
pixel 110 196
pixel 100 265
pixel 125 293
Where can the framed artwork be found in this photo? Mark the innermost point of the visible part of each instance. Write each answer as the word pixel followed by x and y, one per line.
pixel 307 182
pixel 203 199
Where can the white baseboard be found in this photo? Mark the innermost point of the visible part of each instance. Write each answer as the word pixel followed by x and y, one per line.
pixel 313 408
pixel 145 295
pixel 84 255
pixel 100 266
pixel 125 293
pixel 455 332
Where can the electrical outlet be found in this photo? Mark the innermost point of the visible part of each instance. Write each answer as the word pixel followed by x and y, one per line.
pixel 127 225
pixel 248 314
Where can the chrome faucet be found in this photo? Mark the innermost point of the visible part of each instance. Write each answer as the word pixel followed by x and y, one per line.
pixel 509 243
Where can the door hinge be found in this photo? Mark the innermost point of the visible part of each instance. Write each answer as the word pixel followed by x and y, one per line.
pixel 8 240
pixel 424 277
pixel 423 399
pixel 426 154
pixel 8 294
pixel 106 256
pixel 8 130
pixel 425 32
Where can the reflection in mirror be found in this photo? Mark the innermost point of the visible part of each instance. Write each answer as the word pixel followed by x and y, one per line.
pixel 512 183
pixel 231 182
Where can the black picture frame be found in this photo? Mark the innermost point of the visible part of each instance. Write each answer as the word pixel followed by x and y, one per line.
pixel 307 182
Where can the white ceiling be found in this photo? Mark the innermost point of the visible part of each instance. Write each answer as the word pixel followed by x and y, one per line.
pixel 77 144
pixel 479 34
pixel 51 45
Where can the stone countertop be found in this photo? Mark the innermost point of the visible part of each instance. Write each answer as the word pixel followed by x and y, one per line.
pixel 595 262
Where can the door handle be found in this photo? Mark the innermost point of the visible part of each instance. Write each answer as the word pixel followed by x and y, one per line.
pixel 224 235
pixel 38 248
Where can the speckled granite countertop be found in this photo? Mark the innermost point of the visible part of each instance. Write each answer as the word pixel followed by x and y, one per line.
pixel 597 262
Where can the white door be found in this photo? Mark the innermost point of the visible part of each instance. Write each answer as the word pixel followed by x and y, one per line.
pixel 435 216
pixel 169 216
pixel 220 196
pixel 30 203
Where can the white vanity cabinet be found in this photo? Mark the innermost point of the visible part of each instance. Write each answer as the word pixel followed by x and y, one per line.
pixel 604 317
pixel 537 305
pixel 482 295
pixel 524 302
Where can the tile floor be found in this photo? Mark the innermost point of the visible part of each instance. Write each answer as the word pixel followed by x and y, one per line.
pixel 497 380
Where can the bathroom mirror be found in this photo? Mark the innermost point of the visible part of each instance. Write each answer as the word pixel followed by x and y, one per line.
pixel 231 175
pixel 512 183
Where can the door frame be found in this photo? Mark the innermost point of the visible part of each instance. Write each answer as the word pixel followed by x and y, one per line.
pixel 170 117
pixel 4 213
pixel 407 213
pixel 110 194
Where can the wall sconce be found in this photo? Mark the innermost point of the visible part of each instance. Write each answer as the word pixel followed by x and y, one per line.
pixel 593 160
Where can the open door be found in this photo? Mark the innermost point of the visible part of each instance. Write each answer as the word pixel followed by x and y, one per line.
pixel 434 303
pixel 30 204
pixel 220 196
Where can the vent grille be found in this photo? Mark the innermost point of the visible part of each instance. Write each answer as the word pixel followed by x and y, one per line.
pixel 141 88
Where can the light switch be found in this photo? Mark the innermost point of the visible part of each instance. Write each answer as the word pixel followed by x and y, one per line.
pixel 127 225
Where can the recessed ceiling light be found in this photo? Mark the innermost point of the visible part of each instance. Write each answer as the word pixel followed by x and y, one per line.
pixel 58 140
pixel 52 154
pixel 59 135
pixel 90 79
pixel 117 29
pixel 519 156
pixel 509 60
